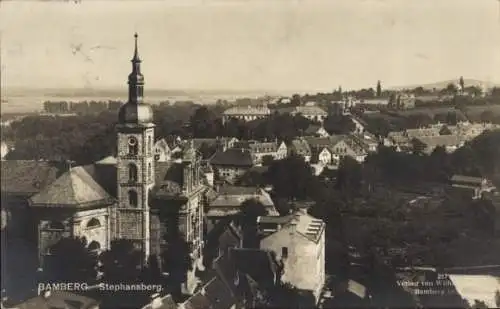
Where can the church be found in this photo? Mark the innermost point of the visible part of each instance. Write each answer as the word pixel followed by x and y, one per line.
pixel 133 197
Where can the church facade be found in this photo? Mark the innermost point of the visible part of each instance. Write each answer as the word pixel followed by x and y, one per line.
pixel 135 198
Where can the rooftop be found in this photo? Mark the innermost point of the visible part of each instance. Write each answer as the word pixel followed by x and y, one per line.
pixel 75 188
pixel 232 157
pixel 248 110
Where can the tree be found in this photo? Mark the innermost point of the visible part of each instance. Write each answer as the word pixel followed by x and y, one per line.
pixel 71 261
pixel 349 177
pixel 296 100
pixel 451 88
pixel 487 116
pixel 176 257
pixel 203 123
pixel 379 89
pixel 339 124
pixel 292 178
pixel 267 160
pixel 247 219
pixel 285 295
pixel 207 150
pixel 122 262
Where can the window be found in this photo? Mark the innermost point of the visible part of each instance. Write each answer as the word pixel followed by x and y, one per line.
pixel 284 252
pixel 55 225
pixel 132 198
pixel 94 246
pixel 149 171
pixel 133 148
pixel 93 223
pixel 132 172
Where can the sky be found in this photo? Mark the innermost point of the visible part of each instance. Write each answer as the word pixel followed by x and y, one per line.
pixel 302 45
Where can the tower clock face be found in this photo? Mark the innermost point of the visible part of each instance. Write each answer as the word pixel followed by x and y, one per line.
pixel 132 141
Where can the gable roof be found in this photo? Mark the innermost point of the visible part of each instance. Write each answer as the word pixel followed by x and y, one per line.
pixel 440 140
pixel 232 157
pixel 27 177
pixel 310 110
pixel 230 199
pixel 301 146
pixel 247 110
pixel 219 294
pixel 258 264
pixel 75 188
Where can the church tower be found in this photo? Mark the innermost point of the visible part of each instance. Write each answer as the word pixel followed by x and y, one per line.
pixel 135 163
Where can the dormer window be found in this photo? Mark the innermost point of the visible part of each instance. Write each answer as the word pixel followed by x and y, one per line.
pixel 133 148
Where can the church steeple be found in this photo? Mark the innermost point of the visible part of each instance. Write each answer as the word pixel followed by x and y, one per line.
pixel 135 78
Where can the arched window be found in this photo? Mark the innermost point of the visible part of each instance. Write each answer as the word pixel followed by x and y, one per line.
pixel 132 198
pixel 149 145
pixel 133 146
pixel 55 225
pixel 150 172
pixel 93 223
pixel 132 172
pixel 94 247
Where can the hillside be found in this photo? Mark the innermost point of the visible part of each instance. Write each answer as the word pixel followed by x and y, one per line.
pixel 443 84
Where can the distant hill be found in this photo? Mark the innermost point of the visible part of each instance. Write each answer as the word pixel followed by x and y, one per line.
pixel 98 93
pixel 443 84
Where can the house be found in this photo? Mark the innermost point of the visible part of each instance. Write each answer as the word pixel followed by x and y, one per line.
pixel 313 113
pixel 229 200
pixel 470 187
pixel 316 130
pixel 219 143
pixel 339 146
pixel 238 279
pixel 299 243
pixel 165 148
pixel 401 101
pixel 427 144
pixel 375 101
pixel 58 299
pixel 231 164
pixel 259 150
pixel 368 140
pixel 248 113
pixel 300 147
pixel 321 155
pixel 359 124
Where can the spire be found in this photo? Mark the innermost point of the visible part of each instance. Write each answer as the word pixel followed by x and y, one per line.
pixel 135 78
pixel 136 52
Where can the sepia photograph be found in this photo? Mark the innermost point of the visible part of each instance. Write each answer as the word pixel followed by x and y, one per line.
pixel 250 154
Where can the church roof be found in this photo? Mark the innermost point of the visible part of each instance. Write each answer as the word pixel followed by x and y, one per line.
pixel 75 188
